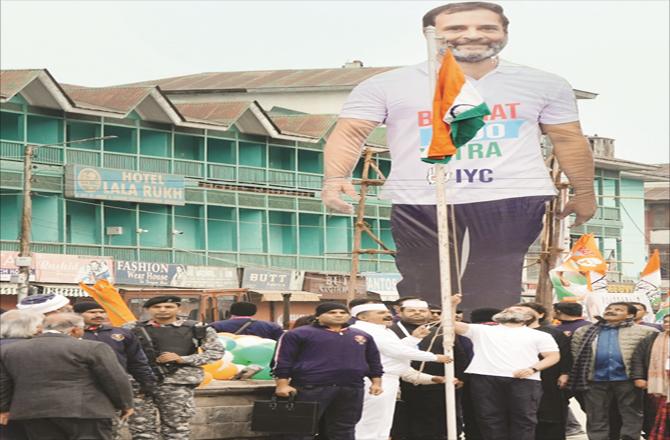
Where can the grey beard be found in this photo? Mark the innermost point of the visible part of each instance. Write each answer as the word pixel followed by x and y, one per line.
pixel 493 50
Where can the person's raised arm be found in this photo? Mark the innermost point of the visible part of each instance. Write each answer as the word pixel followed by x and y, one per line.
pixel 574 155
pixel 460 328
pixel 342 152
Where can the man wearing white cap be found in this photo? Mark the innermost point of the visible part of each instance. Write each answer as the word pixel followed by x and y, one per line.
pixel 45 304
pixel 396 354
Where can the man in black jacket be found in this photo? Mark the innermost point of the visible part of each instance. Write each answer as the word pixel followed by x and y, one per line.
pixel 424 415
pixel 61 387
pixel 144 422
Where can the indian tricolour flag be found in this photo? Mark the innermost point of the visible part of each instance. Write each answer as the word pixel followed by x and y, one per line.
pixel 650 280
pixel 458 112
pixel 582 271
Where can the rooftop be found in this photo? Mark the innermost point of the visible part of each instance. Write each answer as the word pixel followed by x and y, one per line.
pixel 267 79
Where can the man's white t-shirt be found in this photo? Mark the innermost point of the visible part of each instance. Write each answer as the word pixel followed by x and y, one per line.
pixel 501 350
pixel 503 161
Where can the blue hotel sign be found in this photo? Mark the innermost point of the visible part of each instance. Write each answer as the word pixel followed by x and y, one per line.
pixel 85 182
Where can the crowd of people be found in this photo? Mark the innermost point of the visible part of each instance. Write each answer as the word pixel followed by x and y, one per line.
pixel 376 371
pixel 516 370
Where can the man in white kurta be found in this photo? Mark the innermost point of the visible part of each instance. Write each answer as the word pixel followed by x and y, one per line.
pixel 396 355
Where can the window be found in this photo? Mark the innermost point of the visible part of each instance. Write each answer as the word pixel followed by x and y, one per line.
pixel 222 228
pixel 82 222
pixel 221 150
pixel 189 228
pixel 310 161
pixel 660 216
pixel 123 215
pixel 81 130
pixel 311 234
pixel 11 126
pixel 125 141
pixel 44 130
pixel 253 236
pixel 282 158
pixel 282 232
pixel 47 218
pixel 155 143
pixel 10 215
pixel 252 154
pixel 188 147
pixel 155 225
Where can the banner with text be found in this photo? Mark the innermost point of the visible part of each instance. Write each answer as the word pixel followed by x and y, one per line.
pixel 85 182
pixel 176 275
pixel 255 278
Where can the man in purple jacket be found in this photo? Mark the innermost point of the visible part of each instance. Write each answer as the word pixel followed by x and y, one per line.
pixel 326 363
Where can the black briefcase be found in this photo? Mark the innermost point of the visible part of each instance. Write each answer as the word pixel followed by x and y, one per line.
pixel 285 416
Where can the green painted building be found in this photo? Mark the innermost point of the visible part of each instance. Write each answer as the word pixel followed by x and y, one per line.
pixel 252 179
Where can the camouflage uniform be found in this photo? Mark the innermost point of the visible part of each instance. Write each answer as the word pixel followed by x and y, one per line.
pixel 174 397
pixel 143 424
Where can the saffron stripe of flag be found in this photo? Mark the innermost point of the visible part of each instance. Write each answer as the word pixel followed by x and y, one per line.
pixel 458 112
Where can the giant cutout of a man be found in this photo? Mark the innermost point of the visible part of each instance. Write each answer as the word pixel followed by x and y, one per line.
pixel 498 182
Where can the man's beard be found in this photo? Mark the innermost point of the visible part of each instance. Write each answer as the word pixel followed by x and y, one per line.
pixel 510 317
pixel 494 48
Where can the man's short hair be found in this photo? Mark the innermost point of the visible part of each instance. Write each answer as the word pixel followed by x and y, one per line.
pixel 242 308
pixel 638 304
pixel 20 323
pixel 452 8
pixel 569 308
pixel 364 300
pixel 632 310
pixel 63 321
pixel 537 307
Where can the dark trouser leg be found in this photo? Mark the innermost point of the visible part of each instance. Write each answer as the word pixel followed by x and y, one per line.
pixel 491 411
pixel 425 412
pixel 512 224
pixel 344 412
pixel 69 429
pixel 630 404
pixel 597 401
pixel 650 405
pixel 523 400
pixel 41 429
pixel 324 395
pixel 471 428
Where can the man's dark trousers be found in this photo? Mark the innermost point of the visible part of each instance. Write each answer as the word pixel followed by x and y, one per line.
pixel 509 409
pixel 499 233
pixel 58 428
pixel 629 401
pixel 425 412
pixel 340 408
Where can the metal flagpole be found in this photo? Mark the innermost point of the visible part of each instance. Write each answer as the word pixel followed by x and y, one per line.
pixel 443 242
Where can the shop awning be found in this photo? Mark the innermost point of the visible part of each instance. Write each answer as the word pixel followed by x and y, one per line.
pixel 296 295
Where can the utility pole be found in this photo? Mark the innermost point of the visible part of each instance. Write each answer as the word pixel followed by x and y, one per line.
pixel 26 222
pixel 26 215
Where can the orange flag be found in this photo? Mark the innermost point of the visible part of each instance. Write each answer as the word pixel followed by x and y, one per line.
pixel 587 256
pixel 104 293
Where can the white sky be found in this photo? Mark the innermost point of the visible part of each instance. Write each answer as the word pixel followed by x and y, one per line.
pixel 618 49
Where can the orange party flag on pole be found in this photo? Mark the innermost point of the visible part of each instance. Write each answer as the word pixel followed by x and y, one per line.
pixel 105 294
